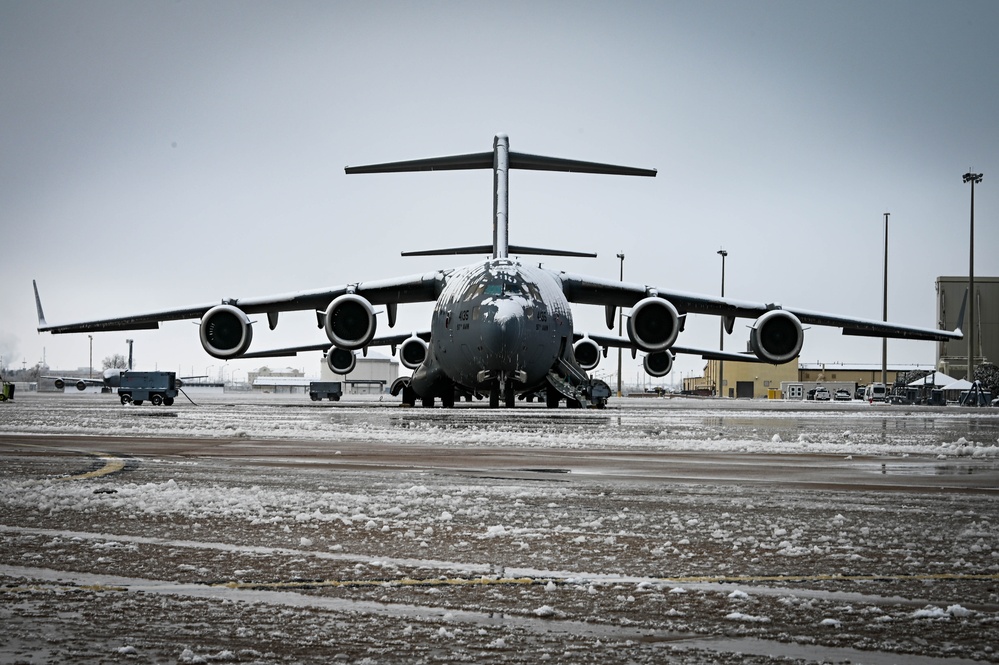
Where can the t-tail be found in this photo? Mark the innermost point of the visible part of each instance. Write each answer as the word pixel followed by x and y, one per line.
pixel 500 160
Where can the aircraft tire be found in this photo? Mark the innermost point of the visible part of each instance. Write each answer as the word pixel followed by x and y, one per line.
pixel 428 402
pixel 447 400
pixel 494 397
pixel 509 396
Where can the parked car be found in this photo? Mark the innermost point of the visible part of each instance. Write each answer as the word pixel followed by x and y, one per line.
pixel 822 394
pixel 843 395
pixel 876 392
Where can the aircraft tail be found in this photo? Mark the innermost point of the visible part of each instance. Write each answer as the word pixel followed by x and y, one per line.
pixel 500 160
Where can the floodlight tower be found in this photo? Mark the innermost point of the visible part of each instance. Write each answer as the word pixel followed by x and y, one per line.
pixel 620 319
pixel 884 311
pixel 721 329
pixel 973 178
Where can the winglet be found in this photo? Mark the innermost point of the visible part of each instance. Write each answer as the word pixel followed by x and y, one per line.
pixel 38 306
pixel 960 316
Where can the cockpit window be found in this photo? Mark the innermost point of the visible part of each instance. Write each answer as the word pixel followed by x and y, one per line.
pixel 494 289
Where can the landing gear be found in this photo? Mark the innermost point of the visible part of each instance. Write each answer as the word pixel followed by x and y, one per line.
pixel 552 397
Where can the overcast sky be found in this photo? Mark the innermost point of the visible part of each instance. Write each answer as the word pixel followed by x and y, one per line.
pixel 165 154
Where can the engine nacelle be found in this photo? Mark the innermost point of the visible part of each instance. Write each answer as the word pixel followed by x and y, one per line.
pixel 340 361
pixel 587 353
pixel 81 385
pixel 413 352
pixel 654 324
pixel 776 337
pixel 658 364
pixel 59 384
pixel 226 332
pixel 350 322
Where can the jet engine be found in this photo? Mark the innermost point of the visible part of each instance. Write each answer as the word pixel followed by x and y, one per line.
pixel 413 352
pixel 350 322
pixel 658 363
pixel 654 324
pixel 226 332
pixel 776 337
pixel 587 353
pixel 340 361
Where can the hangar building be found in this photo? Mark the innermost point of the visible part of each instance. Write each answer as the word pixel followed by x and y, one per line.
pixel 952 357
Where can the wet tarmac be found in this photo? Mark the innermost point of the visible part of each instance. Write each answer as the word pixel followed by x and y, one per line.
pixel 264 529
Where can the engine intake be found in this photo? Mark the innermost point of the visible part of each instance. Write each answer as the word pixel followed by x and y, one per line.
pixel 413 352
pixel 658 364
pixel 226 332
pixel 350 322
pixel 654 324
pixel 587 353
pixel 340 361
pixel 776 337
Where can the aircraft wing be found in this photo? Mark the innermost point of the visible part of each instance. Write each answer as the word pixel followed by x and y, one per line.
pixel 74 380
pixel 706 354
pixel 385 340
pixel 414 288
pixel 594 291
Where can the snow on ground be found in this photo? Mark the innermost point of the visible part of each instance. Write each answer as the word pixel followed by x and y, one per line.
pixel 187 558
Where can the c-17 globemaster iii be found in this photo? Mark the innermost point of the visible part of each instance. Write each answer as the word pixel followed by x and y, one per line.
pixel 499 326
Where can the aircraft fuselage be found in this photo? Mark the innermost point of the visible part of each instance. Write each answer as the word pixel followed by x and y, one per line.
pixel 499 320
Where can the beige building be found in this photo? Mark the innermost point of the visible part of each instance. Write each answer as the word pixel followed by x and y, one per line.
pixel 372 375
pixel 762 380
pixel 742 379
pixel 952 357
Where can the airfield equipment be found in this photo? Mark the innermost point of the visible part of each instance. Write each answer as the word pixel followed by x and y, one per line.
pixel 331 390
pixel 6 391
pixel 157 387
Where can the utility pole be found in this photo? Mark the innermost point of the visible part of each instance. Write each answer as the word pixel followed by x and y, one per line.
pixel 91 356
pixel 129 342
pixel 884 314
pixel 973 178
pixel 721 331
pixel 620 320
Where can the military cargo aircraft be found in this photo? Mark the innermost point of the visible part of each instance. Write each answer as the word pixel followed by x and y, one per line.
pixel 501 327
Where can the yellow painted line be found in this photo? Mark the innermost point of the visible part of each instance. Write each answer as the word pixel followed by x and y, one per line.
pixel 112 464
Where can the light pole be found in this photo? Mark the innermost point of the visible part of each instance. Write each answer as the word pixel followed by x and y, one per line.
pixel 721 330
pixel 620 320
pixel 884 314
pixel 91 356
pixel 973 178
pixel 129 342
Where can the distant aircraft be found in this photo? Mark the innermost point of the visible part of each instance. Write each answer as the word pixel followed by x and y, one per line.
pixel 110 378
pixel 501 327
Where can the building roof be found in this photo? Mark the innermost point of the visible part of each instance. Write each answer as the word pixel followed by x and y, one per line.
pixel 861 367
pixel 282 381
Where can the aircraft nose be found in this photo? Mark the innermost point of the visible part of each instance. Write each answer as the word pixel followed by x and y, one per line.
pixel 503 335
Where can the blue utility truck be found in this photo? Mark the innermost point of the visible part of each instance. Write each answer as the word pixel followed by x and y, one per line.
pixel 157 387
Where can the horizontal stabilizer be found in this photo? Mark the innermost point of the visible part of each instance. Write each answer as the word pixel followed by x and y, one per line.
pixel 485 160
pixel 479 160
pixel 519 160
pixel 488 249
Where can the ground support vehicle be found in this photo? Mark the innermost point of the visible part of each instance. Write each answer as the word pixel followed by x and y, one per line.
pixel 157 387
pixel 331 390
pixel 6 391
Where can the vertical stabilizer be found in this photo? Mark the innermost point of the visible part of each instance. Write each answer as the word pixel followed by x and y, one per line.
pixel 501 196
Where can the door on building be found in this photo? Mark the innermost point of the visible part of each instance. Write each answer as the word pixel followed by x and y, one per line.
pixel 744 389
